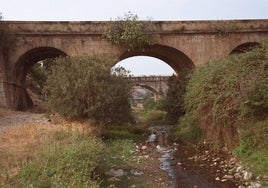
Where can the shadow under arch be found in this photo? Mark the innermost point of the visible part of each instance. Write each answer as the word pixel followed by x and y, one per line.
pixel 242 48
pixel 176 59
pixel 20 99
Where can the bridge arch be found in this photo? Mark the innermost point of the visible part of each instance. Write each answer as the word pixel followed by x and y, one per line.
pixel 175 58
pixel 244 47
pixel 151 89
pixel 21 99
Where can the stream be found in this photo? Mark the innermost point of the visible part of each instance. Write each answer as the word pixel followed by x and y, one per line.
pixel 174 159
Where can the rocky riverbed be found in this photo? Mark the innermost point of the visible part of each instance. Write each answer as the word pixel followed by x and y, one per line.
pixel 199 166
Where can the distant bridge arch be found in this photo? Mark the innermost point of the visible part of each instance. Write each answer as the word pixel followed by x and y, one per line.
pixel 158 85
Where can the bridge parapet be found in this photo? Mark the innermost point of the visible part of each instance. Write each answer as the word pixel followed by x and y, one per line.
pixel 163 27
pixel 149 78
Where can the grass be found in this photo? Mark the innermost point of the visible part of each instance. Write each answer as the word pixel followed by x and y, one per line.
pixel 253 147
pixel 150 117
pixel 30 153
pixel 130 132
pixel 66 154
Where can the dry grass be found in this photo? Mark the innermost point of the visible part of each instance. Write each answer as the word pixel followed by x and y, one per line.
pixel 5 112
pixel 21 143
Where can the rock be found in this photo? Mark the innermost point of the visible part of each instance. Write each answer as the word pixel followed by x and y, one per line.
pixel 115 173
pixel 228 177
pixel 152 138
pixel 136 172
pixel 143 147
pixel 217 179
pixel 237 176
pixel 179 163
pixel 254 185
pixel 239 169
pixel 247 176
pixel 112 186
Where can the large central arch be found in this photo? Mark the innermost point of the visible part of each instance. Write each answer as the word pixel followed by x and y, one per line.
pixel 176 59
pixel 20 99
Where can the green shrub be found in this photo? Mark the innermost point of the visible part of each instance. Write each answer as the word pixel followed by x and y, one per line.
pixel 85 87
pixel 131 33
pixel 71 164
pixel 40 71
pixel 187 129
pixel 229 93
pixel 154 117
pixel 149 103
pixel 253 146
pixel 174 98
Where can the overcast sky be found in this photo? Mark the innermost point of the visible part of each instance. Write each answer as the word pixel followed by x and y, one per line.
pixel 98 10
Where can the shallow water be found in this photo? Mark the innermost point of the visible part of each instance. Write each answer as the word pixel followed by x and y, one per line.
pixel 182 173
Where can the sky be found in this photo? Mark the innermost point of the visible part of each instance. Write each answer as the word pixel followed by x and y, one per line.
pixel 103 10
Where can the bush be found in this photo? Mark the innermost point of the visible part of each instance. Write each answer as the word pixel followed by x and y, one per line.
pixel 71 164
pixel 130 33
pixel 149 103
pixel 39 72
pixel 253 146
pixel 229 93
pixel 85 87
pixel 154 117
pixel 174 99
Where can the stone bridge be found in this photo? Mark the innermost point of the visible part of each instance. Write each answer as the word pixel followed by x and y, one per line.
pixel 156 84
pixel 181 44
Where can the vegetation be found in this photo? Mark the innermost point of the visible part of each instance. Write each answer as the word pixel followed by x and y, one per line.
pixel 66 165
pixel 151 114
pixel 40 71
pixel 85 87
pixel 224 28
pixel 130 33
pixel 62 156
pixel 227 101
pixel 172 103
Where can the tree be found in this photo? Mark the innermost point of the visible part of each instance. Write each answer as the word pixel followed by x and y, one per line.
pixel 85 87
pixel 40 71
pixel 130 33
pixel 174 99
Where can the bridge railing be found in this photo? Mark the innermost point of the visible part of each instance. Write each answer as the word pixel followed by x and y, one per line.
pixel 149 78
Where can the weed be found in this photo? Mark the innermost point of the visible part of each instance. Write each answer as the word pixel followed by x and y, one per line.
pixel 70 164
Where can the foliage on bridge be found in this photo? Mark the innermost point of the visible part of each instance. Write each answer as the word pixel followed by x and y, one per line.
pixel 131 33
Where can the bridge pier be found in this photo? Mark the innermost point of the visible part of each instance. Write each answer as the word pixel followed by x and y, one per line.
pixel 2 93
pixel 2 88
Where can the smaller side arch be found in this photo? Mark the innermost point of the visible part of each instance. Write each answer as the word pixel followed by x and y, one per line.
pixel 19 98
pixel 242 48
